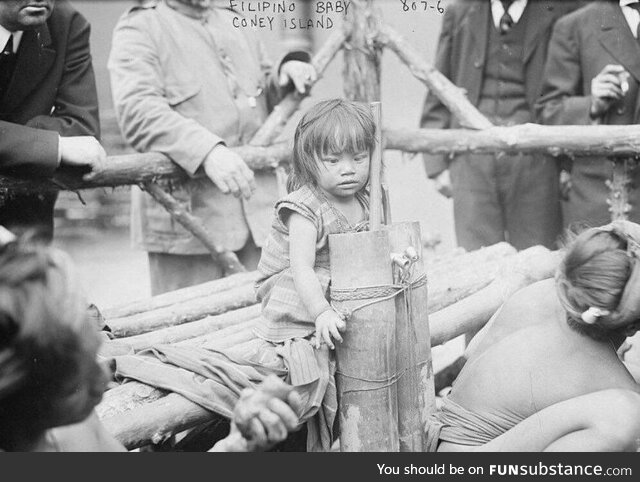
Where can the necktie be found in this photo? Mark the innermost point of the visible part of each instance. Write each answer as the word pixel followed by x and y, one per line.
pixel 506 22
pixel 7 64
pixel 636 7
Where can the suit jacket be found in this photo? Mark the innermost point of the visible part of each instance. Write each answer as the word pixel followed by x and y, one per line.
pixel 171 95
pixel 583 43
pixel 52 92
pixel 461 55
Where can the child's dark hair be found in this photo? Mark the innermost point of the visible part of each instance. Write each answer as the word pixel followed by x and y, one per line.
pixel 43 337
pixel 329 127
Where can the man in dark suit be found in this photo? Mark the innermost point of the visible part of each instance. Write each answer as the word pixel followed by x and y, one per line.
pixel 47 96
pixel 496 50
pixel 592 77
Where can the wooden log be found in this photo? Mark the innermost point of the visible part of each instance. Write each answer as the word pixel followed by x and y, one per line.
pixel 184 294
pixel 273 125
pixel 366 360
pixel 133 395
pixel 136 396
pixel 471 313
pixel 205 326
pixel 362 53
pixel 416 396
pixel 157 421
pixel 600 140
pixel 452 97
pixel 139 168
pixel 223 257
pixel 179 313
pixel 450 264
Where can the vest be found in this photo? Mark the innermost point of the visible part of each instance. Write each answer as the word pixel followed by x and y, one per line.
pixel 502 96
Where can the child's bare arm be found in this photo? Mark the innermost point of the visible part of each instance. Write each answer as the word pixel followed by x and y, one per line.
pixel 302 253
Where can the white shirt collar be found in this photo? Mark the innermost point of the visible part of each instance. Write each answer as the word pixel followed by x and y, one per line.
pixel 516 9
pixel 631 14
pixel 4 38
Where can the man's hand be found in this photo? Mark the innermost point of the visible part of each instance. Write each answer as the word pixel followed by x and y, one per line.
pixel 228 171
pixel 608 86
pixel 443 183
pixel 301 74
pixel 82 151
pixel 262 417
pixel 329 324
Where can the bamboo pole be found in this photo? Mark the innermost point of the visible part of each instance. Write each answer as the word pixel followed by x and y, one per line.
pixel 366 359
pixel 415 385
pixel 375 171
pixel 225 258
pixel 450 95
pixel 184 294
pixel 187 311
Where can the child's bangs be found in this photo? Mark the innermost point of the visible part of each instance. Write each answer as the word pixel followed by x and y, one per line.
pixel 343 132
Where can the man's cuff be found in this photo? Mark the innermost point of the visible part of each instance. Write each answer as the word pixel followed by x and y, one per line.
pixel 301 55
pixel 59 150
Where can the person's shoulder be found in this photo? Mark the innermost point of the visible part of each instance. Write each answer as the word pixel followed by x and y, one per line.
pixel 64 12
pixel 304 196
pixel 140 14
pixel 581 13
pixel 459 7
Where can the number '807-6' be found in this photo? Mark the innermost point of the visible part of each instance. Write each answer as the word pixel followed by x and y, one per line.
pixel 423 5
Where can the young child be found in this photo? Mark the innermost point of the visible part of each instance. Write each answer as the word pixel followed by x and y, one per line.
pixel 332 148
pixel 327 195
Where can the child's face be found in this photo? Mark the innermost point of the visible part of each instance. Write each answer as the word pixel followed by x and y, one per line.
pixel 343 175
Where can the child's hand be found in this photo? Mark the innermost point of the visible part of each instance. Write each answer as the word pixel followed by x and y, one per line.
pixel 329 324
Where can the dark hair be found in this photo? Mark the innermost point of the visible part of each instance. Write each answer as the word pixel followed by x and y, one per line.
pixel 594 273
pixel 43 337
pixel 329 127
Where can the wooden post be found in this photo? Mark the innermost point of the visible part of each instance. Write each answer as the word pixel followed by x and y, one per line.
pixel 362 53
pixel 416 394
pixel 375 177
pixel 620 187
pixel 366 360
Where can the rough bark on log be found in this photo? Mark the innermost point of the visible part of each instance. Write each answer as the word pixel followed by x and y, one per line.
pixel 184 294
pixel 362 53
pixel 139 168
pixel 606 141
pixel 620 188
pixel 471 313
pixel 450 95
pixel 205 326
pixel 184 312
pixel 224 258
pixel 598 140
pixel 156 422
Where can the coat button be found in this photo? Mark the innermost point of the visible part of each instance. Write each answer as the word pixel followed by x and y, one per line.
pixel 477 64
